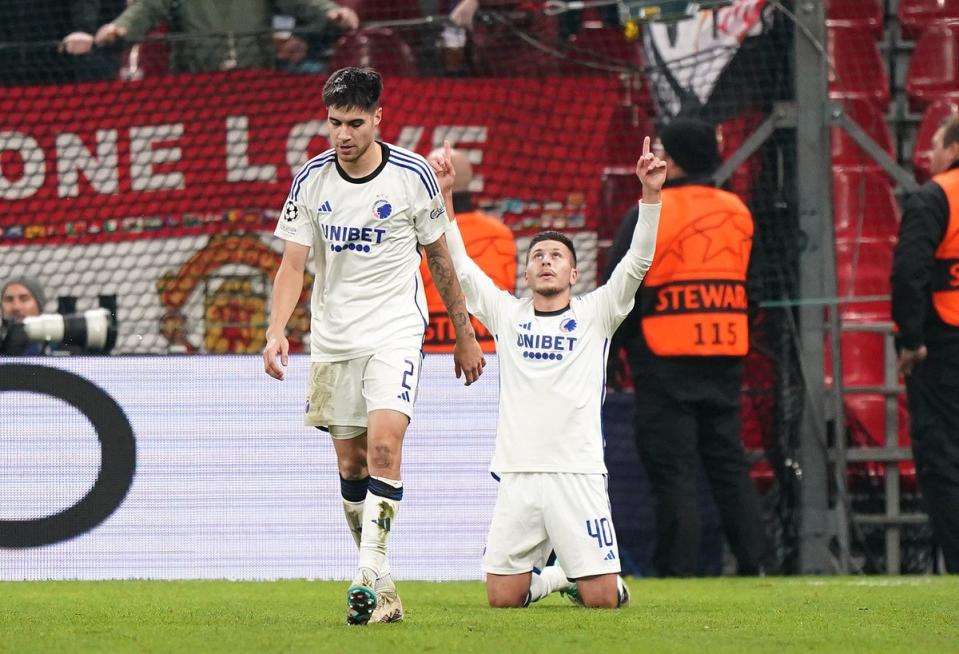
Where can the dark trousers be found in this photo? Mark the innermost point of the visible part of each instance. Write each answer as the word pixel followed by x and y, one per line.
pixel 933 393
pixel 684 417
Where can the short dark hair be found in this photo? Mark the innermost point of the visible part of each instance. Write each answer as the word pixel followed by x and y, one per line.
pixel 552 236
pixel 950 130
pixel 353 88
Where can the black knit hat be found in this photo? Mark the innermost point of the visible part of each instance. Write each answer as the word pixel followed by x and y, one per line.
pixel 692 144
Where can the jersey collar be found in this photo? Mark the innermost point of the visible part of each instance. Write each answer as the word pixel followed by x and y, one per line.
pixel 554 312
pixel 366 178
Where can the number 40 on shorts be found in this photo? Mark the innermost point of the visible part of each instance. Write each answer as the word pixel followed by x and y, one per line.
pixel 601 530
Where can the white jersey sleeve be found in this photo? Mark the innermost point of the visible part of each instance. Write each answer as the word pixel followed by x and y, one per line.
pixel 296 223
pixel 428 208
pixel 484 299
pixel 614 300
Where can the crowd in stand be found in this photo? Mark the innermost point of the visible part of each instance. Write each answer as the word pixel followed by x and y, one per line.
pixel 53 42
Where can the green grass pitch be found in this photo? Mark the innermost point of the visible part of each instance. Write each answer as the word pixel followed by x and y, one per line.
pixel 862 614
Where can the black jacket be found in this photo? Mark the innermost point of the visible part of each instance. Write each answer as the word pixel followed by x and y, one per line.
pixel 924 224
pixel 30 34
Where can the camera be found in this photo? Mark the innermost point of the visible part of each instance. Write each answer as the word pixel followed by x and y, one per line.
pixel 88 331
pixel 94 330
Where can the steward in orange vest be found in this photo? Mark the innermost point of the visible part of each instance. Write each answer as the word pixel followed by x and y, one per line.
pixel 925 308
pixel 693 300
pixel 685 339
pixel 925 278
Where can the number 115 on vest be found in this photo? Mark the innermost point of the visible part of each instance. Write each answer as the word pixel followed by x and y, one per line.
pixel 697 318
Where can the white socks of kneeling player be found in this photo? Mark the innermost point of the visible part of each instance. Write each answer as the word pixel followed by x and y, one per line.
pixel 370 507
pixel 548 580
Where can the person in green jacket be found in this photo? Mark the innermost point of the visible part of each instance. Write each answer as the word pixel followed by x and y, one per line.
pixel 210 35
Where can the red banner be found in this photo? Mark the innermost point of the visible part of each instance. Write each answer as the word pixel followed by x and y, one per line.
pixel 182 154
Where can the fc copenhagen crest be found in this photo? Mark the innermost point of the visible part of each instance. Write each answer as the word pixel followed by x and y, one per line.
pixel 382 209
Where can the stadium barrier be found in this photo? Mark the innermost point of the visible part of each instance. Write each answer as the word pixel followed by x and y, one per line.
pixel 222 480
pixel 210 474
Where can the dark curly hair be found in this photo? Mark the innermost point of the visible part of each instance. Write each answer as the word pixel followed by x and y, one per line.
pixel 353 88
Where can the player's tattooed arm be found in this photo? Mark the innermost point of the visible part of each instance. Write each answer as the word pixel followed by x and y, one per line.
pixel 444 277
pixel 467 354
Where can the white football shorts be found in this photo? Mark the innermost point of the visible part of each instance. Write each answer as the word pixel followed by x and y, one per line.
pixel 541 511
pixel 342 393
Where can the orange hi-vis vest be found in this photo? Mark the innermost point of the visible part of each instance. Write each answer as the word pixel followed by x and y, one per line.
pixel 491 245
pixel 945 279
pixel 693 299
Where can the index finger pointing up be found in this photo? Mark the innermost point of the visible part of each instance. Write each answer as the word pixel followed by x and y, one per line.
pixel 645 146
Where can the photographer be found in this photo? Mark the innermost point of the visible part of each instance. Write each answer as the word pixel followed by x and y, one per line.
pixel 20 297
pixel 27 331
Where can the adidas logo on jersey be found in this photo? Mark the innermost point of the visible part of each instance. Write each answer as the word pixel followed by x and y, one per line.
pixel 610 556
pixel 526 325
pixel 405 395
pixel 326 207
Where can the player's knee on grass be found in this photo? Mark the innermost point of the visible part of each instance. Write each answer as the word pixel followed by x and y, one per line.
pixel 599 592
pixel 507 591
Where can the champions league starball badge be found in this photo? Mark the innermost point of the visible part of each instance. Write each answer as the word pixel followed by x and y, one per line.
pixel 290 212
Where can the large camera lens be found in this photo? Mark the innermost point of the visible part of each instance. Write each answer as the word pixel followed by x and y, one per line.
pixel 93 330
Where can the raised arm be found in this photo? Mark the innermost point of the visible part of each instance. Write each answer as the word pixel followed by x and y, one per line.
pixel 620 290
pixel 483 296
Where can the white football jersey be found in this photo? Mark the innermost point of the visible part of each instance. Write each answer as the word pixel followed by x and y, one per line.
pixel 552 365
pixel 368 294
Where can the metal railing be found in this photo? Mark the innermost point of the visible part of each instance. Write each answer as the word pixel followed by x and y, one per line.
pixel 889 455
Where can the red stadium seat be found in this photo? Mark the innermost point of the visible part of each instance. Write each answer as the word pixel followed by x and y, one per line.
pixel 377 47
pixel 917 15
pixel 862 14
pixel 629 124
pixel 931 119
pixel 845 151
pixel 732 133
pixel 856 67
pixel 934 68
pixel 497 51
pixel 599 45
pixel 863 204
pixel 863 267
pixel 863 358
pixel 863 364
pixel 863 361
pixel 620 192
